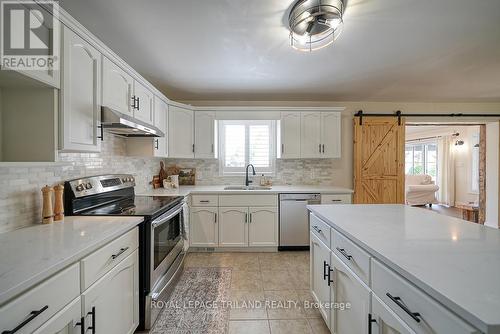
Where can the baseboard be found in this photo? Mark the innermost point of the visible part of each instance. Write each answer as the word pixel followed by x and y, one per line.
pixel 491 224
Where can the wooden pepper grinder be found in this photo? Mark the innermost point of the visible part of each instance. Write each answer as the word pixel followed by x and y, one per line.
pixel 58 203
pixel 47 212
pixel 163 174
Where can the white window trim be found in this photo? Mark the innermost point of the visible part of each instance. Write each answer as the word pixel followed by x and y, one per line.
pixel 425 143
pixel 223 171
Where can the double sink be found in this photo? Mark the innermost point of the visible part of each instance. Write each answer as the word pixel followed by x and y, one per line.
pixel 247 188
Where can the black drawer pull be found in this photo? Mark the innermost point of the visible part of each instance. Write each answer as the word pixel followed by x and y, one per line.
pixel 33 315
pixel 343 252
pixel 316 229
pixel 399 302
pixel 330 270
pixel 325 275
pixel 122 250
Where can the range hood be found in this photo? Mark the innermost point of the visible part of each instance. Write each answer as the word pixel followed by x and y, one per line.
pixel 118 123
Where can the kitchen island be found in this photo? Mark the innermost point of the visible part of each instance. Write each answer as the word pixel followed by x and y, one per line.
pixel 423 271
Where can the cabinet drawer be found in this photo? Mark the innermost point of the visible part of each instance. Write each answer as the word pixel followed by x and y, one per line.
pixel 336 199
pixel 47 299
pixel 320 229
pixel 432 317
pixel 248 200
pixel 205 200
pixel 353 256
pixel 101 261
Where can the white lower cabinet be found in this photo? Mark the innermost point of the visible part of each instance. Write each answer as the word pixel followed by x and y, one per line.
pixel 204 229
pixel 233 227
pixel 111 305
pixel 320 273
pixel 66 321
pixel 384 321
pixel 262 227
pixel 345 289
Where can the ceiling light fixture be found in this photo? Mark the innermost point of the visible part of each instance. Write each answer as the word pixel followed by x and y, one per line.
pixel 315 24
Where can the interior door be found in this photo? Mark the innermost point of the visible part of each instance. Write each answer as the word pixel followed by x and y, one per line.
pixel 80 95
pixel 233 231
pixel 310 134
pixel 379 144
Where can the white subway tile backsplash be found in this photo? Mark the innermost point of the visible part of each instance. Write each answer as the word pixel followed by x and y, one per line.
pixel 20 195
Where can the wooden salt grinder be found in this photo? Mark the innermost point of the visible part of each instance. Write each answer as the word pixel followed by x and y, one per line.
pixel 59 203
pixel 47 212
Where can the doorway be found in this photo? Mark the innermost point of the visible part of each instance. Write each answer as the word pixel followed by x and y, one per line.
pixel 445 169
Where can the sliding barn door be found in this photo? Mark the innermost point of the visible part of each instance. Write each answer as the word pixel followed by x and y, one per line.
pixel 379 145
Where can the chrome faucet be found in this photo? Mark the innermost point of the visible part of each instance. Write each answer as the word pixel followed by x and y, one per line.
pixel 247 181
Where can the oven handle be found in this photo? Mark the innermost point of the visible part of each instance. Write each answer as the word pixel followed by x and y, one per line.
pixel 167 216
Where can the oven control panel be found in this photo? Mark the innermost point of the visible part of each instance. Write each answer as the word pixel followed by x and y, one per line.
pixel 100 184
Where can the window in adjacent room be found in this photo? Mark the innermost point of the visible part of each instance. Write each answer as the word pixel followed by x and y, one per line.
pixel 421 159
pixel 245 142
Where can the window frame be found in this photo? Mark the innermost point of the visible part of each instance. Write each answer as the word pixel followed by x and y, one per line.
pixel 424 162
pixel 240 171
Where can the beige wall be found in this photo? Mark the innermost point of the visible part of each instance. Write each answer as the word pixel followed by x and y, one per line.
pixel 343 175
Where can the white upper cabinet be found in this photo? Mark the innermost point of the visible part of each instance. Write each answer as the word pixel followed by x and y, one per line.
pixel 290 135
pixel 180 132
pixel 204 134
pixel 117 88
pixel 80 110
pixel 311 135
pixel 143 108
pixel 161 122
pixel 331 138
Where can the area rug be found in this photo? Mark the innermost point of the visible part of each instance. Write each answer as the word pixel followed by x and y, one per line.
pixel 197 304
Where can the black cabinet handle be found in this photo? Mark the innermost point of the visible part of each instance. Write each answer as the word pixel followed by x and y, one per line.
pixel 134 102
pixel 399 302
pixel 323 148
pixel 82 325
pixel 156 143
pixel 282 148
pixel 138 101
pixel 250 218
pixel 215 218
pixel 92 313
pixel 330 270
pixel 101 137
pixel 319 148
pixel 204 201
pixel 325 275
pixel 344 253
pixel 33 315
pixel 122 250
pixel 370 321
pixel 193 148
pixel 316 229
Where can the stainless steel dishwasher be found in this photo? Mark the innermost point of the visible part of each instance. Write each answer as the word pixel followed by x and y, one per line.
pixel 294 220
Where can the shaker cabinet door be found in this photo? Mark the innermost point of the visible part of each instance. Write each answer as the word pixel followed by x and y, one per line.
pixel 80 95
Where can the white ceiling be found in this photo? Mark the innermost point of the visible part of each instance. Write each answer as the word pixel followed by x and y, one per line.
pixel 390 50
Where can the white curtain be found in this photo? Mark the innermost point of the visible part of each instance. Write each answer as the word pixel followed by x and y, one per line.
pixel 446 171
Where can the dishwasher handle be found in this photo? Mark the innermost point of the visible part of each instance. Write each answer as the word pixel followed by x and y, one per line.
pixel 301 197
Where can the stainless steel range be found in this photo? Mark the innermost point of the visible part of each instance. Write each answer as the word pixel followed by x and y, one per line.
pixel 161 235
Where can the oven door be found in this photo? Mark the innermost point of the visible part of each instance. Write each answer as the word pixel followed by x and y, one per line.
pixel 166 237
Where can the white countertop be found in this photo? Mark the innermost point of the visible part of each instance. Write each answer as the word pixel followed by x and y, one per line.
pixel 278 189
pixel 32 254
pixel 456 262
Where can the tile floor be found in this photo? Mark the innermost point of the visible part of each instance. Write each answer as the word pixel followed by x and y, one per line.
pixel 278 280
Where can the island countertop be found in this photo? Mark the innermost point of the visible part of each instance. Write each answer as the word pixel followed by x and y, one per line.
pixel 454 261
pixel 30 255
